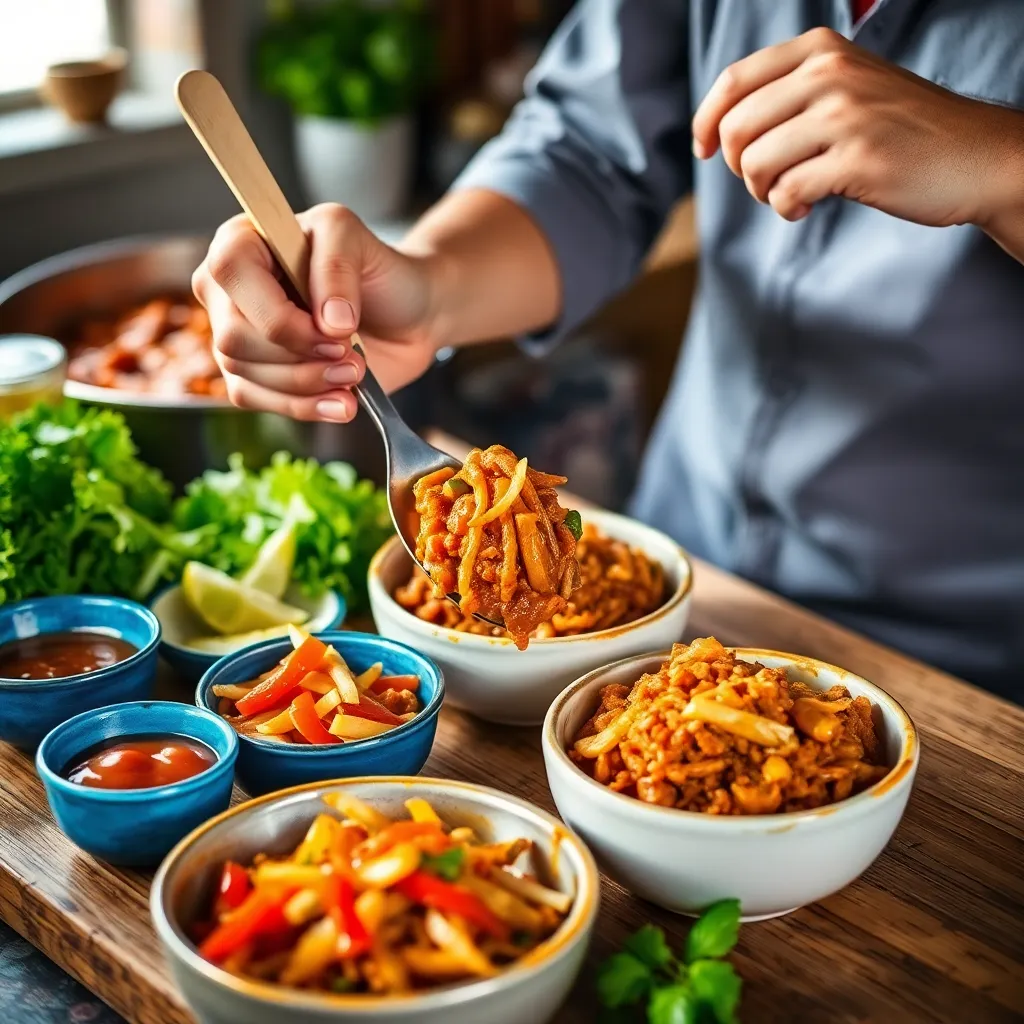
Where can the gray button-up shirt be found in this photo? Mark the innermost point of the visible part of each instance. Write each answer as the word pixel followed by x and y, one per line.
pixel 846 422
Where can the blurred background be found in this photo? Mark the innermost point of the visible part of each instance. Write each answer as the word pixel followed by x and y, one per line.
pixel 373 103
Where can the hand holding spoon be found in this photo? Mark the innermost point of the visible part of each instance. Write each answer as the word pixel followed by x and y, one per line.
pixel 215 122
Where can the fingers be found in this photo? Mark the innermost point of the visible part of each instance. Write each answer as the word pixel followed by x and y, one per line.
pixel 800 187
pixel 746 76
pixel 335 406
pixel 337 237
pixel 754 115
pixel 239 265
pixel 783 147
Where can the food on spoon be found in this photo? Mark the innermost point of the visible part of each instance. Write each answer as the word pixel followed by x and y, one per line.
pixel 230 607
pixel 711 733
pixel 312 696
pixel 164 346
pixel 140 762
pixel 495 534
pixel 369 904
pixel 62 654
pixel 619 584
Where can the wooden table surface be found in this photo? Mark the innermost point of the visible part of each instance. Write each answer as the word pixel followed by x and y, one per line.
pixel 933 932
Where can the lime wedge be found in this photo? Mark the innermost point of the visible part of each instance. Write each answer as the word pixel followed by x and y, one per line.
pixel 228 606
pixel 235 641
pixel 271 570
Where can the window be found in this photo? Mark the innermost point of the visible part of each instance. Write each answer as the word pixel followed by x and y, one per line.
pixel 38 33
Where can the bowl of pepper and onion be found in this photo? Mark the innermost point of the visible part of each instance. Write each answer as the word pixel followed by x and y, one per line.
pixel 60 656
pixel 377 899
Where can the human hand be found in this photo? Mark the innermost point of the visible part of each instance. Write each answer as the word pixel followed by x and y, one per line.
pixel 276 357
pixel 818 116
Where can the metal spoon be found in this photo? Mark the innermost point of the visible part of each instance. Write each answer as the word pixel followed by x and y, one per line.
pixel 212 116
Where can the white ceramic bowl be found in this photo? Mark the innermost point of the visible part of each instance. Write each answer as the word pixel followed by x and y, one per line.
pixel 488 676
pixel 773 863
pixel 529 991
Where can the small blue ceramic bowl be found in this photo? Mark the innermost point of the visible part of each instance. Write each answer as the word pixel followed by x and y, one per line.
pixel 29 708
pixel 264 765
pixel 179 624
pixel 135 827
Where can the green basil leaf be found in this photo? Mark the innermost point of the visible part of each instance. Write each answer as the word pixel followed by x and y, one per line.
pixel 673 1004
pixel 715 932
pixel 574 522
pixel 622 979
pixel 717 986
pixel 447 865
pixel 648 945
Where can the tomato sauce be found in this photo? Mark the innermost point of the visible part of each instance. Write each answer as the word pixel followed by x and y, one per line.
pixel 141 762
pixel 58 655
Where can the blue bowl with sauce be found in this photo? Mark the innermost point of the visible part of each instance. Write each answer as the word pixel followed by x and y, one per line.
pixel 136 826
pixel 57 634
pixel 265 765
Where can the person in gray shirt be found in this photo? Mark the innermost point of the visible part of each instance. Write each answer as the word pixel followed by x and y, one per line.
pixel 846 422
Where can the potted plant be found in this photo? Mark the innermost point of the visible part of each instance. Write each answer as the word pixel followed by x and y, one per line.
pixel 352 71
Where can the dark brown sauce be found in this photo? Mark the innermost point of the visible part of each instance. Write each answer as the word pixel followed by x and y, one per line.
pixel 58 655
pixel 141 762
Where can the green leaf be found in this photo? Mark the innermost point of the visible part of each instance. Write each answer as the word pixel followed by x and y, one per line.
pixel 623 979
pixel 648 945
pixel 717 986
pixel 673 1004
pixel 574 523
pixel 715 932
pixel 447 865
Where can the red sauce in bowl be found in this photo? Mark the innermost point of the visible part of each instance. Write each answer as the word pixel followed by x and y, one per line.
pixel 142 762
pixel 58 655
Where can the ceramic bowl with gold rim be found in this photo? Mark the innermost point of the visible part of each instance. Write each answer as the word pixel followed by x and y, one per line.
pixel 531 989
pixel 772 863
pixel 488 676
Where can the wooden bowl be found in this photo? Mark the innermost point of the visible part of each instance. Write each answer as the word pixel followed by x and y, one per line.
pixel 85 89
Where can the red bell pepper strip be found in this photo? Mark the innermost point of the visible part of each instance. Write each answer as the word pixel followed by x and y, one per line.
pixel 431 891
pixel 261 913
pixel 383 683
pixel 234 887
pixel 307 722
pixel 371 709
pixel 339 896
pixel 305 658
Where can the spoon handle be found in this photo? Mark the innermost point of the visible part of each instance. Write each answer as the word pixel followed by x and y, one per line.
pixel 213 118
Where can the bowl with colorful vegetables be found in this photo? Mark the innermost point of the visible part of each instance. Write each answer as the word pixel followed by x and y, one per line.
pixel 375 899
pixel 332 705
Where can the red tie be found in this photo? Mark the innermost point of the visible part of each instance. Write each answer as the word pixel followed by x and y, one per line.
pixel 860 8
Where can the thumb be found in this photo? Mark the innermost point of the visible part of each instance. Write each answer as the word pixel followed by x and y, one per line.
pixel 335 267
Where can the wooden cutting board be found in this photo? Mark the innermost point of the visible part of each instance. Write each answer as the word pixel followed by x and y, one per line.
pixel 933 932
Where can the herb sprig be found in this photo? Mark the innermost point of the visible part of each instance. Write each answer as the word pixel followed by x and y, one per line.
pixel 699 987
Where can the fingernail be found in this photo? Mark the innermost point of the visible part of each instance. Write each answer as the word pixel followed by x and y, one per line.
pixel 339 315
pixel 698 149
pixel 330 409
pixel 332 352
pixel 341 373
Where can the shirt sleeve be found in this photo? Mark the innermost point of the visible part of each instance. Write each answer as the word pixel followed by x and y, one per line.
pixel 599 149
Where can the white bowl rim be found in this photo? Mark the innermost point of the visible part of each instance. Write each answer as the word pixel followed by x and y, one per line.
pixel 569 933
pixel 891 787
pixel 602 518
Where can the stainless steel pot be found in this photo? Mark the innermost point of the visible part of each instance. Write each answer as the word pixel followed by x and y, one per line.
pixel 182 436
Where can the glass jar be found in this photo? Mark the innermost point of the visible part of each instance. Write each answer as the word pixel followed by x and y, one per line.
pixel 32 369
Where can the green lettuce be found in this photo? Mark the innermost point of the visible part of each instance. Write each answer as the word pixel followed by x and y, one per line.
pixel 78 510
pixel 340 520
